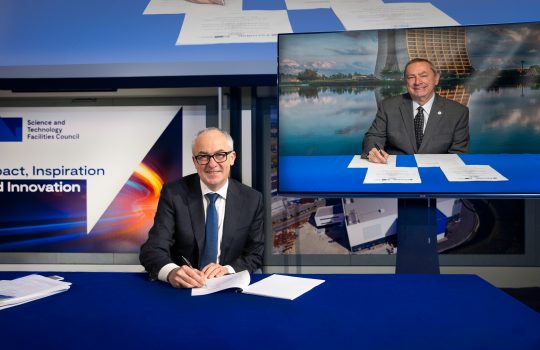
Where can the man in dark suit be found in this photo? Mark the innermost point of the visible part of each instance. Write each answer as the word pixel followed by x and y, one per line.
pixel 417 122
pixel 178 249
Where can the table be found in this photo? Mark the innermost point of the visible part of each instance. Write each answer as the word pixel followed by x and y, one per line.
pixel 127 311
pixel 330 175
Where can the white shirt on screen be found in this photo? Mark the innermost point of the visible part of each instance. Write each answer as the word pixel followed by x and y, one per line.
pixel 427 109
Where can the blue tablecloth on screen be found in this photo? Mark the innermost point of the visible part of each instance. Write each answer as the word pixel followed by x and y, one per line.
pixel 330 175
pixel 127 311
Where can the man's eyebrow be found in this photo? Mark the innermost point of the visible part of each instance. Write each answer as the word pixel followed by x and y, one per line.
pixel 202 153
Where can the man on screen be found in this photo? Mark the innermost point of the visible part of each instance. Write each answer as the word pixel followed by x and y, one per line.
pixel 206 224
pixel 420 121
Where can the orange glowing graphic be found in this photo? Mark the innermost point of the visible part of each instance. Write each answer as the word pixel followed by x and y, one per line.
pixel 131 214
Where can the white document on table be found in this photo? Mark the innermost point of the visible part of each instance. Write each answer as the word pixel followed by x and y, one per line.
pixel 369 14
pixel 307 4
pixel 275 286
pixel 283 287
pixel 472 173
pixel 239 280
pixel 392 175
pixel 358 162
pixel 28 288
pixel 437 160
pixel 223 27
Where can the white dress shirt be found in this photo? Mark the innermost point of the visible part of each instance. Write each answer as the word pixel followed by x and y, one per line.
pixel 427 109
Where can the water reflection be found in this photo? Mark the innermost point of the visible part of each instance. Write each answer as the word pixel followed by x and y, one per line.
pixel 332 120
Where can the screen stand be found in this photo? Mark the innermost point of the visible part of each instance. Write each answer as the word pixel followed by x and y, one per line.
pixel 417 236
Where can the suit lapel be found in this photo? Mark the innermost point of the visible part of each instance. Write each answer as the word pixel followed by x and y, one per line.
pixel 196 211
pixel 434 121
pixel 232 213
pixel 406 109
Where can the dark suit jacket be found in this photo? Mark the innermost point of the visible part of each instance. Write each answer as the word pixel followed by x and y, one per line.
pixel 447 128
pixel 179 227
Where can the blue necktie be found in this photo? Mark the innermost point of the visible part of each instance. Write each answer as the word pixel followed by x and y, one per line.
pixel 211 232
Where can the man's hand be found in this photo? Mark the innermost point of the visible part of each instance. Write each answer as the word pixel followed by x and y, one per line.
pixel 214 270
pixel 376 156
pixel 186 277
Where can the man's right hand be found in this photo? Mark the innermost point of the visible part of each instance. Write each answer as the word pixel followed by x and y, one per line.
pixel 186 277
pixel 375 156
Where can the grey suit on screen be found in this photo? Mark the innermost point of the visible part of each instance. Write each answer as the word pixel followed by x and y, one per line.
pixel 447 128
pixel 179 224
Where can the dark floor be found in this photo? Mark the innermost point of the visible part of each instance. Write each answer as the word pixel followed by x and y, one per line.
pixel 528 296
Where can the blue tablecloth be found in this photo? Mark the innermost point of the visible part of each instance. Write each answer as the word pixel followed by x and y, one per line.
pixel 127 311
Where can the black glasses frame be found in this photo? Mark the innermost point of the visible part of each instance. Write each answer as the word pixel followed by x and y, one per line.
pixel 203 159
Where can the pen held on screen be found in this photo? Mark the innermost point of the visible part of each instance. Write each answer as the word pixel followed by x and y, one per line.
pixel 379 149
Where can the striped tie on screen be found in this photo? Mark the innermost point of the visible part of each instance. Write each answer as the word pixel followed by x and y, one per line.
pixel 419 126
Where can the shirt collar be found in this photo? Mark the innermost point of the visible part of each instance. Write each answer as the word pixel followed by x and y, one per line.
pixel 427 106
pixel 222 191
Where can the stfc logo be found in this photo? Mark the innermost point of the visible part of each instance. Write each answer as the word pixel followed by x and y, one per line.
pixel 10 129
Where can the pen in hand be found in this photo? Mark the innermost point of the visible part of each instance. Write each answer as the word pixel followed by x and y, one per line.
pixel 191 267
pixel 187 261
pixel 379 149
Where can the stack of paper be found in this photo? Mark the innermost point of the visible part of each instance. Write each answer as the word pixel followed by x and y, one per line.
pixel 29 288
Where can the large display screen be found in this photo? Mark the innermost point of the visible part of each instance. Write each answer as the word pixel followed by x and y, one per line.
pixel 330 85
pixel 85 179
pixel 194 43
pixel 103 45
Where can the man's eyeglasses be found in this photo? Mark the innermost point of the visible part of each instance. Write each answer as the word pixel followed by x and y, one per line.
pixel 219 157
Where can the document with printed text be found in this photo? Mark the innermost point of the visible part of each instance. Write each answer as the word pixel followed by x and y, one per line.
pixel 229 24
pixel 437 160
pixel 359 162
pixel 372 14
pixel 391 175
pixel 472 173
